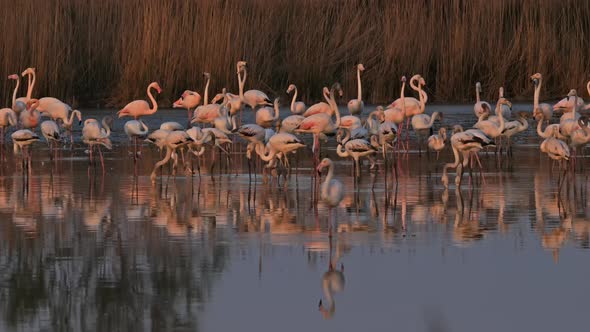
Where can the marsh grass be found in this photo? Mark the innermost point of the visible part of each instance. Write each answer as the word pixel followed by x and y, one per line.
pixel 106 52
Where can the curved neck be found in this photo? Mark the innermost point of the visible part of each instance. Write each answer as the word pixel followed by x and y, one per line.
pixel 432 118
pixel 293 101
pixel 241 85
pixel 326 94
pixel 261 150
pixel 327 289
pixel 477 99
pixel 536 97
pixel 454 164
pixel 341 151
pixel 276 107
pixel 540 131
pixel 68 121
pixel 15 92
pixel 30 90
pixel 330 174
pixel 151 97
pixel 359 87
pixel 106 127
pixel 422 98
pixel 206 101
pixel 144 127
pixel 403 97
pixel 334 107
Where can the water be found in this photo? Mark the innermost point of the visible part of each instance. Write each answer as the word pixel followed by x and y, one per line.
pixel 81 251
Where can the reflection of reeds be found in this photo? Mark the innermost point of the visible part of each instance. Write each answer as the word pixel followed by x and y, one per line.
pixel 110 50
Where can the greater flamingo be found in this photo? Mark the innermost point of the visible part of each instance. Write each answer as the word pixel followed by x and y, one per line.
pixel 332 190
pixel 171 126
pixel 480 106
pixel 139 108
pixel 252 98
pixel 279 144
pixel 17 105
pixel 355 106
pixel 189 100
pixel 50 131
pixel 467 142
pixel 355 149
pixel 22 139
pixel 135 129
pixel 512 128
pixel 297 107
pixel 320 107
pixel 31 79
pixel 266 116
pixel 173 141
pixel 437 142
pixel 7 120
pixel 540 111
pixel 69 123
pixel 93 134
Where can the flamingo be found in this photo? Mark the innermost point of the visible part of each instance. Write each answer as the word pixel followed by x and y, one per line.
pixel 206 113
pixel 480 106
pixel 355 106
pixel 279 144
pixel 580 137
pixel 320 107
pixel 549 131
pixel 422 124
pixel 321 122
pixel 189 100
pixel 171 126
pixel 93 134
pixel 7 119
pixel 297 107
pixel 396 114
pixel 158 137
pixel 374 120
pixel 135 129
pixel 173 141
pixel 332 190
pixel 50 131
pixel 412 104
pixel 30 118
pixel 350 121
pixel 17 105
pixel 556 149
pixel 57 111
pixel 437 142
pixel 22 139
pixel 467 142
pixel 252 98
pixel 265 116
pixel 540 111
pixel 355 149
pixel 290 123
pixel 139 108
pixel 567 104
pixel 568 122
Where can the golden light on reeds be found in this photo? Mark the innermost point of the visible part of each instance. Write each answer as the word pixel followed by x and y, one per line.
pixel 107 51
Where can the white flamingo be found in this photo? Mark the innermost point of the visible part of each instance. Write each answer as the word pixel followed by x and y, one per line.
pixel 355 106
pixel 279 144
pixel 173 141
pixel 23 139
pixel 171 126
pixel 297 107
pixel 252 98
pixel 480 106
pixel 68 123
pixel 17 105
pixel 540 111
pixel 332 190
pixel 355 149
pixel 512 128
pixel 50 131
pixel 135 129
pixel 93 134
pixel 266 116
pixel 437 142
pixel 465 142
pixel 31 79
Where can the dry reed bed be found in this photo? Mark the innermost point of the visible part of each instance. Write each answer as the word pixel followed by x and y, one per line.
pixel 106 52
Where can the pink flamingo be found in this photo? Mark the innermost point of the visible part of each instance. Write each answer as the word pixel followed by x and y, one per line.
pixel 320 107
pixel 18 105
pixel 297 107
pixel 93 134
pixel 480 106
pixel 321 123
pixel 189 100
pixel 139 108
pixel 355 106
pixel 266 116
pixel 540 111
pixel 31 78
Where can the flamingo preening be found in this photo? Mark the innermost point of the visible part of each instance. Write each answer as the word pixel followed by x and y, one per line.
pixel 173 141
pixel 50 130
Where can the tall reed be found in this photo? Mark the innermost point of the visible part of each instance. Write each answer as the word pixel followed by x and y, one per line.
pixel 106 52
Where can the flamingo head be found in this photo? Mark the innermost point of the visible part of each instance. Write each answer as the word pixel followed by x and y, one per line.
pixel 157 87
pixel 361 67
pixel 572 93
pixel 13 77
pixel 291 88
pixel 421 81
pixel 504 101
pixel 336 87
pixel 178 103
pixel 217 97
pixel 207 75
pixel 241 65
pixel 403 79
pixel 28 71
pixel 478 86
pixel 442 132
pixel 32 104
pixel 457 129
pixel 524 115
pixel 536 78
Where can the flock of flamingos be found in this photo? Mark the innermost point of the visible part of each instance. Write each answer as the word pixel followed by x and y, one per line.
pixel 384 132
